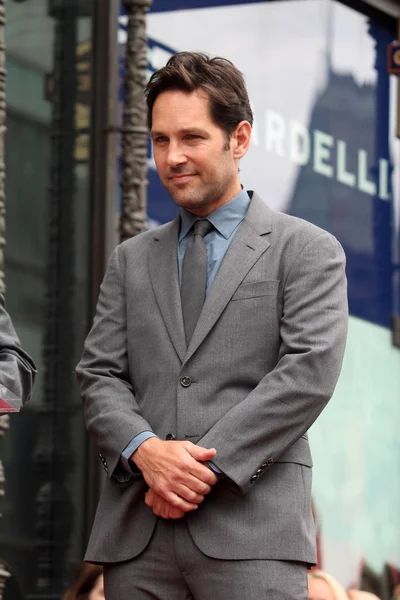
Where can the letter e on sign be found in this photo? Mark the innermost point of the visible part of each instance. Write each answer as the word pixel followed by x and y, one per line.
pixel 393 58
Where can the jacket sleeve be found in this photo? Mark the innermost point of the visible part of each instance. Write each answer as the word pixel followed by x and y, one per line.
pixel 17 369
pixel 313 330
pixel 111 412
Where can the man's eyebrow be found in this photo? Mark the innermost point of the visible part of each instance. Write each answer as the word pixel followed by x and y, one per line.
pixel 198 130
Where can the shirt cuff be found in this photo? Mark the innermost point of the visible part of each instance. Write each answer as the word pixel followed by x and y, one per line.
pixel 130 449
pixel 216 469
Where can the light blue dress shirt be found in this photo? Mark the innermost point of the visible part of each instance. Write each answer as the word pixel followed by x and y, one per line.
pixel 226 221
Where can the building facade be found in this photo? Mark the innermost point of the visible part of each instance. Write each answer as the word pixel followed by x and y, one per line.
pixel 325 148
pixel 47 277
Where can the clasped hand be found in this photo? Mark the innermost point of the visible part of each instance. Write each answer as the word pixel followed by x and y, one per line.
pixel 175 473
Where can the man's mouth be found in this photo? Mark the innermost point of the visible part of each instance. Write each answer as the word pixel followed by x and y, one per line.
pixel 181 177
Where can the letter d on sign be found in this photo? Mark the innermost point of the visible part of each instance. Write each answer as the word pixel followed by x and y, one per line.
pixel 300 146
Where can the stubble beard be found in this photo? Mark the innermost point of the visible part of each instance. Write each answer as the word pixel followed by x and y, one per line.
pixel 199 198
pixel 204 195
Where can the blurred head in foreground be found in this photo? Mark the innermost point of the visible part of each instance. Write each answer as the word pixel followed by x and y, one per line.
pixel 360 595
pixel 87 585
pixel 322 586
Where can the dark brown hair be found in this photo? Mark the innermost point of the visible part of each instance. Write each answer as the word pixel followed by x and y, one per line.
pixel 217 77
pixel 84 582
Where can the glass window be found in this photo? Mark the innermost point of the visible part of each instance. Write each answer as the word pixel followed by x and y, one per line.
pixel 47 264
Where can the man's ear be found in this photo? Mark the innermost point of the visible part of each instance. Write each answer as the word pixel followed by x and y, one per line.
pixel 240 139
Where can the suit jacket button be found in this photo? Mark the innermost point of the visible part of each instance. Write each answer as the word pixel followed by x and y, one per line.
pixel 186 381
pixel 170 436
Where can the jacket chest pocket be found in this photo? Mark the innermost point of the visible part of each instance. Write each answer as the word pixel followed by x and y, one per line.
pixel 256 289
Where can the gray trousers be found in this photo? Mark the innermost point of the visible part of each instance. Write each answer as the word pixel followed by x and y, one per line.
pixel 173 568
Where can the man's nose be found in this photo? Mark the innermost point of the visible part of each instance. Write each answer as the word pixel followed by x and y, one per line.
pixel 175 156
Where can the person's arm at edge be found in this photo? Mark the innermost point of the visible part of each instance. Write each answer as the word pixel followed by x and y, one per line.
pixel 17 369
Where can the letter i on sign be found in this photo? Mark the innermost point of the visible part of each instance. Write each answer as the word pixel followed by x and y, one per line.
pixel 393 67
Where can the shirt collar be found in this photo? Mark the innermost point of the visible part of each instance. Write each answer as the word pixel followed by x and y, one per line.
pixel 225 219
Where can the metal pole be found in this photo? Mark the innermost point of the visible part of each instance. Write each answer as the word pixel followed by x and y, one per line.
pixel 54 454
pixel 134 129
pixel 4 422
pixel 104 180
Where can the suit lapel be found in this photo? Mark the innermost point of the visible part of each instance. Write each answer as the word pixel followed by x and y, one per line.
pixel 163 269
pixel 248 244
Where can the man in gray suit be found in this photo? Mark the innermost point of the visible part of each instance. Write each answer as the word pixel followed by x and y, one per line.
pixel 17 370
pixel 217 342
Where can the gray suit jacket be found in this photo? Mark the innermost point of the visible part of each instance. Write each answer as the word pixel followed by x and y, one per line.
pixel 17 370
pixel 262 364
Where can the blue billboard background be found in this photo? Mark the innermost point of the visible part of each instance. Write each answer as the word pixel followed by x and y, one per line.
pixel 344 185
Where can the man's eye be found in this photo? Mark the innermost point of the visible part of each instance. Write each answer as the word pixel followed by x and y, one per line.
pixel 161 139
pixel 193 136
